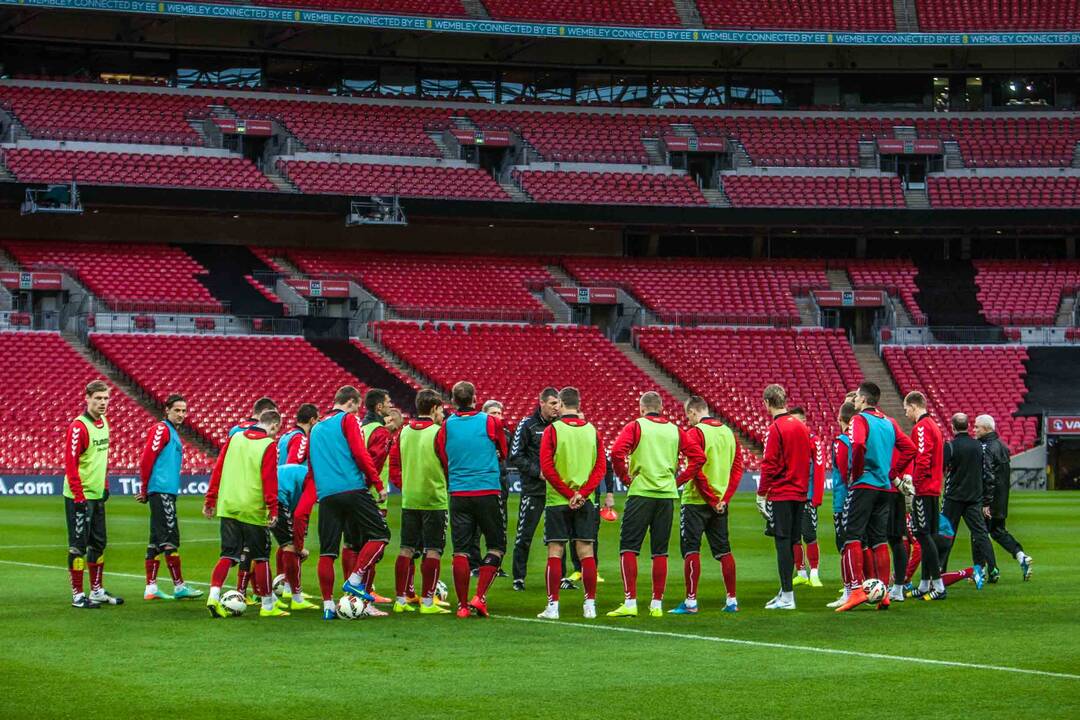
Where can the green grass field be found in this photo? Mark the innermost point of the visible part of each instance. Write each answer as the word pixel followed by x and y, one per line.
pixel 169 658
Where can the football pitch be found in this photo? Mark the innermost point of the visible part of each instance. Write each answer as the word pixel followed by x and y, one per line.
pixel 1011 650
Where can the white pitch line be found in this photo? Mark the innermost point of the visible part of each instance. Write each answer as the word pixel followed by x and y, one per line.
pixel 40 566
pixel 784 646
pixel 701 638
pixel 109 545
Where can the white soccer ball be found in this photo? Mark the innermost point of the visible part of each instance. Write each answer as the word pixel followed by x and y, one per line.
pixel 349 607
pixel 279 585
pixel 875 590
pixel 233 602
pixel 441 591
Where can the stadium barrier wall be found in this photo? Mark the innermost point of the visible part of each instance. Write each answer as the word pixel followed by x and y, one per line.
pixel 416 23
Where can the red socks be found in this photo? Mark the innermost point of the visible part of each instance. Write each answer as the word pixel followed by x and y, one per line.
pixel 96 570
pixel 954 577
pixel 659 577
pixel 692 573
pixel 852 558
pixel 461 579
pixel 221 572
pixel 812 555
pixel 261 578
pixel 868 565
pixel 76 572
pixel 410 587
pixel 796 550
pixel 279 562
pixel 401 574
pixel 368 556
pixel 487 576
pixel 552 577
pixel 326 577
pixel 588 576
pixel 348 561
pixel 881 563
pixel 429 574
pixel 628 564
pixel 152 571
pixel 173 561
pixel 914 559
pixel 292 570
pixel 727 566
pixel 242 579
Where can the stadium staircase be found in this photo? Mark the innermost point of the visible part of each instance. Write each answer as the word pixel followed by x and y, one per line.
pixel 677 390
pixel 5 174
pixel 953 159
pixel 916 199
pixel 1053 380
pixel 199 126
pixel 654 151
pixel 134 391
pixel 14 130
pixel 475 9
pixel 948 296
pixel 515 191
pixel 437 138
pixel 276 174
pixel 907 17
pixel 874 370
pixel 689 15
pixel 838 279
pixel 716 197
pixel 227 265
pixel 365 367
pixel 391 360
pixel 1076 156
pixel 1064 314
pixel 868 156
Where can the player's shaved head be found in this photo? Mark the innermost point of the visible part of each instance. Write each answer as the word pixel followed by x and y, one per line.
pixel 651 402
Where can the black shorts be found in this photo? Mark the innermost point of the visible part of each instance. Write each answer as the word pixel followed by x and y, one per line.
pixel 353 516
pixel 164 528
pixel 283 528
pixel 472 516
pixel 424 529
pixel 897 516
pixel 866 515
pixel 808 523
pixel 86 526
pixel 924 515
pixel 787 519
pixel 561 524
pixel 697 520
pixel 646 515
pixel 244 541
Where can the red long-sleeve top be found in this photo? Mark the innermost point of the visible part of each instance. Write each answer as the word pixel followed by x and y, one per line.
pixel 629 437
pixel 817 491
pixel 495 432
pixel 734 476
pixel 268 471
pixel 549 442
pixel 379 441
pixel 76 441
pixel 296 450
pixel 840 449
pixel 903 448
pixel 785 467
pixel 929 469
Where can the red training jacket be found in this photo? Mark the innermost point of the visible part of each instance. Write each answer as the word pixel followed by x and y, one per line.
pixel 929 470
pixel 785 467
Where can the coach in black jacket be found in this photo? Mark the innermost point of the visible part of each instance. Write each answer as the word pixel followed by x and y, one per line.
pixel 965 492
pixel 997 473
pixel 525 457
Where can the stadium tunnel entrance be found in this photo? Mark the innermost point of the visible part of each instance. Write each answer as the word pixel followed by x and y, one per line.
pixel 1063 462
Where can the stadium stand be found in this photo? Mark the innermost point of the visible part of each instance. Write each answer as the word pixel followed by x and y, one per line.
pixel 943 15
pixel 123 168
pixel 897 277
pixel 1004 192
pixel 654 13
pixel 434 285
pixel 806 14
pixel 324 126
pixel 972 380
pixel 222 376
pixel 611 188
pixel 511 363
pixel 106 116
pixel 708 291
pixel 130 276
pixel 798 141
pixel 1025 292
pixel 729 367
pixel 814 191
pixel 1007 142
pixel 40 406
pixel 463 183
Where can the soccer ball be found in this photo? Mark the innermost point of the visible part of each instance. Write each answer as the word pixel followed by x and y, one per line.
pixel 279 585
pixel 349 607
pixel 875 590
pixel 233 602
pixel 441 591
